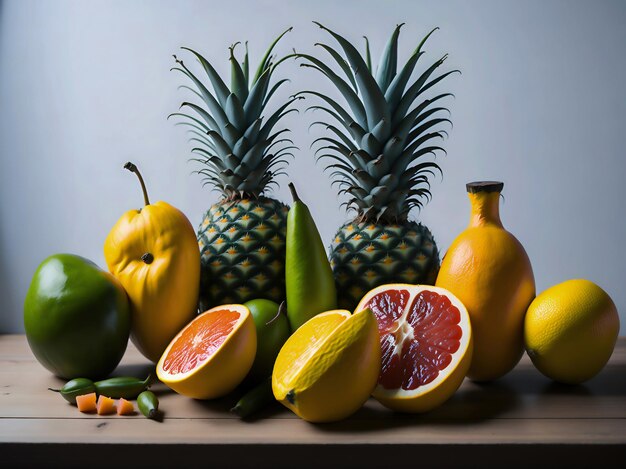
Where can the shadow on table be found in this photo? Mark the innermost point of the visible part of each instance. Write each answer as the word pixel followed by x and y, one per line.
pixel 609 382
pixel 138 370
pixel 471 404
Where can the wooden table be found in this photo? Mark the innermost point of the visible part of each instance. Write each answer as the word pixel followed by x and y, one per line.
pixel 522 419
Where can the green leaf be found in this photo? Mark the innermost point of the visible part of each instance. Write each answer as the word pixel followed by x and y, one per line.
pixel 417 131
pixel 371 145
pixel 344 138
pixel 252 132
pixel 234 112
pixel 409 122
pixel 189 88
pixel 373 99
pixel 242 146
pixel 254 105
pixel 239 84
pixel 360 115
pixel 432 83
pixel 263 63
pixel 211 124
pixel 272 138
pixel 388 61
pixel 338 147
pixel 231 135
pixel 277 85
pixel 341 62
pixel 368 55
pixel 220 144
pixel 220 88
pixel 278 142
pixel 274 118
pixel 203 126
pixel 382 130
pixel 214 107
pixel 421 44
pixel 426 114
pixel 348 122
pixel 366 181
pixel 393 94
pixel 201 136
pixel 245 66
pixel 254 156
pixel 413 92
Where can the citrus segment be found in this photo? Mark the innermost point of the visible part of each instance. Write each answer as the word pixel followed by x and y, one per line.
pixel 328 368
pixel 212 354
pixel 426 348
pixel 199 341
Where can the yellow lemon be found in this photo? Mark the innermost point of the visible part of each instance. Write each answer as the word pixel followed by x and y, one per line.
pixel 570 331
pixel 328 368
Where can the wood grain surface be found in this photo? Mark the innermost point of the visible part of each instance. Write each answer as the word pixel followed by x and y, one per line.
pixel 523 415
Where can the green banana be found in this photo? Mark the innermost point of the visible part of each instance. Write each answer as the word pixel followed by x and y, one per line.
pixel 308 275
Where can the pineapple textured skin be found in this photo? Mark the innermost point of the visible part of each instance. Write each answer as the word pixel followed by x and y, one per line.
pixel 242 247
pixel 366 255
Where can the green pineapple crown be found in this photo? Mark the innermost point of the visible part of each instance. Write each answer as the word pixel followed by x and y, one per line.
pixel 378 154
pixel 240 151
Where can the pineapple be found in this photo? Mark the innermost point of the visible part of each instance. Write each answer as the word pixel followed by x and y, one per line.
pixel 242 236
pixel 377 155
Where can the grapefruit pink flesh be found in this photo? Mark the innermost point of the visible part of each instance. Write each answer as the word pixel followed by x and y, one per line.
pixel 417 341
pixel 200 340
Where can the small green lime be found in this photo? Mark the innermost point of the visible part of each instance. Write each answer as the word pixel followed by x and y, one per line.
pixel 272 331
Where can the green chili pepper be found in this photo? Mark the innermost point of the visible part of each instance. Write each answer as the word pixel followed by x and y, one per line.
pixel 148 404
pixel 255 400
pixel 122 386
pixel 75 387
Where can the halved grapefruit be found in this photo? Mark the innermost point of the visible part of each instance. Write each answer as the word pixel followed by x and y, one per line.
pixel 212 354
pixel 426 342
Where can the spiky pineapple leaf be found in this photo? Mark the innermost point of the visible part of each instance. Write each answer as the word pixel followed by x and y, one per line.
pixel 383 163
pixel 373 99
pixel 220 88
pixel 235 141
pixel 341 62
pixel 387 67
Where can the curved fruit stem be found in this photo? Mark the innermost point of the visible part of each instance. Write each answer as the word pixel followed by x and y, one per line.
pixel 133 169
pixel 294 194
pixel 282 309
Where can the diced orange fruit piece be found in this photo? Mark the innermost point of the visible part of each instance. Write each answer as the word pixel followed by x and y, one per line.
pixel 86 402
pixel 106 405
pixel 125 407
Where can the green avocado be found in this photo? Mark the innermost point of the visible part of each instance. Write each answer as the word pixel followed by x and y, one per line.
pixel 77 318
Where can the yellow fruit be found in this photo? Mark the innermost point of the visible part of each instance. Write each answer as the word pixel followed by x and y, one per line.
pixel 426 342
pixel 154 254
pixel 570 331
pixel 328 368
pixel 487 268
pixel 212 354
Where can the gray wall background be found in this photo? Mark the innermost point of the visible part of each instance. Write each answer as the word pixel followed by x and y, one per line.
pixel 541 105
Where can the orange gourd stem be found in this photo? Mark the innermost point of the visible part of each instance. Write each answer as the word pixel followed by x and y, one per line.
pixel 485 209
pixel 133 169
